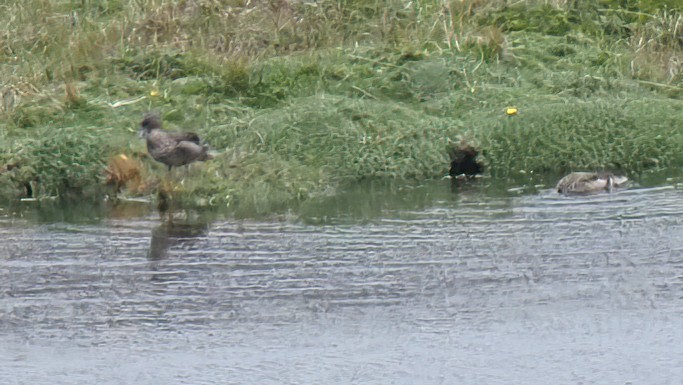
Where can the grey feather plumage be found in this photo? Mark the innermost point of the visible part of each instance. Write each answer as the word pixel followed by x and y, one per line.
pixel 171 148
pixel 590 182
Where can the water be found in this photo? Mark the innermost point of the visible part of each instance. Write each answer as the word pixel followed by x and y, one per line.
pixel 439 288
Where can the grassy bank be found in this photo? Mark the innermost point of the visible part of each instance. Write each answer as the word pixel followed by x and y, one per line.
pixel 300 98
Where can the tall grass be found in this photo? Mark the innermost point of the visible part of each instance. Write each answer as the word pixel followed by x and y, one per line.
pixel 632 135
pixel 301 97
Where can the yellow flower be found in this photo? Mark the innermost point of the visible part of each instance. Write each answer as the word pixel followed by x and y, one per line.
pixel 510 111
pixel 154 93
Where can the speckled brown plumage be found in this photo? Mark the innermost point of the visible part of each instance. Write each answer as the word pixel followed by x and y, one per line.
pixel 590 182
pixel 171 148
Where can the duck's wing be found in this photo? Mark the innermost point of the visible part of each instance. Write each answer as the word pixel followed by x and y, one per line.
pixel 593 183
pixel 564 184
pixel 581 182
pixel 184 136
pixel 187 152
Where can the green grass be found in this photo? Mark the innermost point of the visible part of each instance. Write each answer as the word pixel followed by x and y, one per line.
pixel 631 135
pixel 301 99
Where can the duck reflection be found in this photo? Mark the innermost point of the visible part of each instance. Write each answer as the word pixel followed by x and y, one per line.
pixel 176 229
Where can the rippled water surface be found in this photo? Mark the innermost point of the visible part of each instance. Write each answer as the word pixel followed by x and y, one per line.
pixel 467 289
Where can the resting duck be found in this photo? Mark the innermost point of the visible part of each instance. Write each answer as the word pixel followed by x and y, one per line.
pixel 463 162
pixel 590 182
pixel 171 148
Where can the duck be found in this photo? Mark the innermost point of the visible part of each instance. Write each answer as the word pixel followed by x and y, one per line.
pixel 171 148
pixel 590 182
pixel 463 162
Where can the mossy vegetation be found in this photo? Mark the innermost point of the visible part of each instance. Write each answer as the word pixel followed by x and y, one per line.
pixel 299 98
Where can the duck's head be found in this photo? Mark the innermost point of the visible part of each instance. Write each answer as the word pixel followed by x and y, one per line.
pixel 150 121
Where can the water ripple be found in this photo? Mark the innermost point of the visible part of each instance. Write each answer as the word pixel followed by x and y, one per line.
pixel 277 296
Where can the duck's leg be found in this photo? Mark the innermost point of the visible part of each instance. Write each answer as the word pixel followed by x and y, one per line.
pixel 186 174
pixel 169 174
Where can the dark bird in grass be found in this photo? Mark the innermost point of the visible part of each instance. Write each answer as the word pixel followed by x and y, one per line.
pixel 171 148
pixel 590 182
pixel 464 162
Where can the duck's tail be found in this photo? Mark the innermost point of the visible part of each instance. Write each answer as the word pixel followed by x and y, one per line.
pixel 205 154
pixel 619 181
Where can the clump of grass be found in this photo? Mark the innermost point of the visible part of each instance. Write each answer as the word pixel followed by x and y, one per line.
pixel 54 151
pixel 60 164
pixel 631 136
pixel 126 173
pixel 657 48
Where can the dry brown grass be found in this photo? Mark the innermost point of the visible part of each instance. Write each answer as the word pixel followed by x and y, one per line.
pixel 657 49
pixel 125 172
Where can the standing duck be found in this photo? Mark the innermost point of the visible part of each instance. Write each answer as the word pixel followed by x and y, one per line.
pixel 589 182
pixel 171 148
